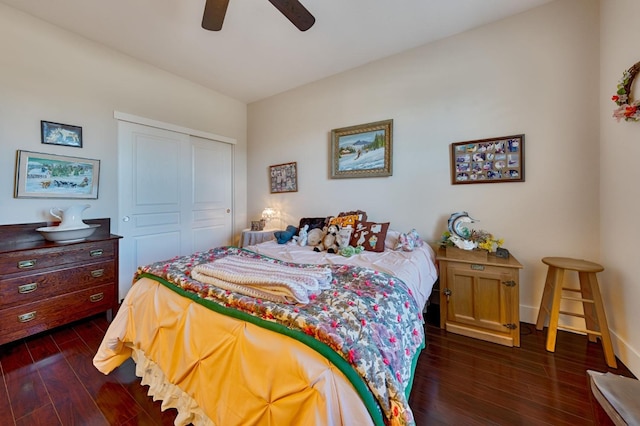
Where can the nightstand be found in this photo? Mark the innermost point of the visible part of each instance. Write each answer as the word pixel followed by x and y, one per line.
pixel 480 297
pixel 250 237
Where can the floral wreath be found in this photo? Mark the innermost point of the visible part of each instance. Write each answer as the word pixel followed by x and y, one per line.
pixel 628 110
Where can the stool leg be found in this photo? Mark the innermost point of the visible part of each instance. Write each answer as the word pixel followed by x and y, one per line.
pixel 547 297
pixel 590 314
pixel 555 310
pixel 609 355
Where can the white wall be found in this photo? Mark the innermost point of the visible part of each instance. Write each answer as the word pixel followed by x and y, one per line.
pixel 51 74
pixel 536 73
pixel 619 178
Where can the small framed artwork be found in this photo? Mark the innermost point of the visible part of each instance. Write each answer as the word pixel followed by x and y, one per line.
pixel 362 151
pixel 492 160
pixel 40 175
pixel 284 177
pixel 61 134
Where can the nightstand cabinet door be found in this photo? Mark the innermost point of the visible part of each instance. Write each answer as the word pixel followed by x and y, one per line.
pixel 481 299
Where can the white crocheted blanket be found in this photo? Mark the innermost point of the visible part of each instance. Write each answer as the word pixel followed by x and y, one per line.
pixel 263 279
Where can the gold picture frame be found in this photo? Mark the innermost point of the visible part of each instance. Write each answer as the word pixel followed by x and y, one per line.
pixel 365 150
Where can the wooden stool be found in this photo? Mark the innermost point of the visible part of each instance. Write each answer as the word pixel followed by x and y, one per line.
pixel 595 319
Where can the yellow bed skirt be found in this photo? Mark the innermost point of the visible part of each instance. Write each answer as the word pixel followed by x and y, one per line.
pixel 217 370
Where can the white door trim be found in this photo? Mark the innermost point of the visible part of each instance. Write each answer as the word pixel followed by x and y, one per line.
pixel 123 116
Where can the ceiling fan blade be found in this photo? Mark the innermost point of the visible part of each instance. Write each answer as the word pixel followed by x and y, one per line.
pixel 296 13
pixel 214 11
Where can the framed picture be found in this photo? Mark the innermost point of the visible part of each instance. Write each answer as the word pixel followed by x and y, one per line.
pixel 40 175
pixel 362 151
pixel 61 134
pixel 284 177
pixel 488 160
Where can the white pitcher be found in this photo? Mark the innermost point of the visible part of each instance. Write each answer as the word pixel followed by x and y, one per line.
pixel 71 217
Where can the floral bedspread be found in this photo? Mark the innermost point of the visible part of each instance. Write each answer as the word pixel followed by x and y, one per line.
pixel 368 317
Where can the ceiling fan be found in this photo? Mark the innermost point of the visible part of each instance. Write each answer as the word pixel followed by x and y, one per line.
pixel 214 11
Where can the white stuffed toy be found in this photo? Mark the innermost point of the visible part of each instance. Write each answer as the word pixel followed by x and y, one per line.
pixel 330 240
pixel 302 236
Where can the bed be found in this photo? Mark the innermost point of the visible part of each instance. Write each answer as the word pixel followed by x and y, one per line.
pixel 222 358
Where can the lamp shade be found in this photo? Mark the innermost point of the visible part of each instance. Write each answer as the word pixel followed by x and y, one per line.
pixel 268 213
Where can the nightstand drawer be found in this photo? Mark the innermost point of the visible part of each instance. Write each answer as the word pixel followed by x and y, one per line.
pixel 35 287
pixel 28 319
pixel 34 260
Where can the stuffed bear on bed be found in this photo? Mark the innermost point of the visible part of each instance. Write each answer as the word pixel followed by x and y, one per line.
pixel 330 240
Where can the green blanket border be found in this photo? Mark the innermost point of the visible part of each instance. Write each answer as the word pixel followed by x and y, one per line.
pixel 352 375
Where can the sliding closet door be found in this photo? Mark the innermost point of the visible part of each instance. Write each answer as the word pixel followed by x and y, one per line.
pixel 211 194
pixel 175 196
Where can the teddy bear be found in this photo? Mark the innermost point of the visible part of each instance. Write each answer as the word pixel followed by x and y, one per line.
pixel 330 239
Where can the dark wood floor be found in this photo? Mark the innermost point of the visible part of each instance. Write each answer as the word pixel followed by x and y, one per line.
pixel 49 380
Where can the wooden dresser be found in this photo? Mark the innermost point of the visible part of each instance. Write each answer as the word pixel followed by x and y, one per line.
pixel 480 297
pixel 44 284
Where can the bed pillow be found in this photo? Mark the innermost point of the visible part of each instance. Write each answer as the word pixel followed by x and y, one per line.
pixel 361 214
pixel 344 237
pixel 349 219
pixel 313 222
pixel 345 221
pixel 392 239
pixel 370 235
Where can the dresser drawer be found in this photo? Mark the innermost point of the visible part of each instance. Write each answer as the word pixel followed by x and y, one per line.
pixel 34 287
pixel 28 319
pixel 57 256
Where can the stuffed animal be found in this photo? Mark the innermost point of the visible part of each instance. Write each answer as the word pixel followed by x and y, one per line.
pixel 284 237
pixel 349 251
pixel 314 237
pixel 301 238
pixel 330 240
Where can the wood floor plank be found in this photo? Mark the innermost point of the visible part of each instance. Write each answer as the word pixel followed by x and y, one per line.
pixel 112 399
pixel 6 413
pixel 458 367
pixel 43 416
pixel 90 333
pixel 70 398
pixel 23 383
pixel 125 374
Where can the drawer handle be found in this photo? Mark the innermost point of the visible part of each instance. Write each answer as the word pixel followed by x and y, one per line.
pixel 27 317
pixel 27 288
pixel 97 273
pixel 96 297
pixel 23 264
pixel 97 252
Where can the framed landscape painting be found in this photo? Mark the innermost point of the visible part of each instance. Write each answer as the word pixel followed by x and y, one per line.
pixel 40 175
pixel 362 151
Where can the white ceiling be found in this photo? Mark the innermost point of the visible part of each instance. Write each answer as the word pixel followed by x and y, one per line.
pixel 259 53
